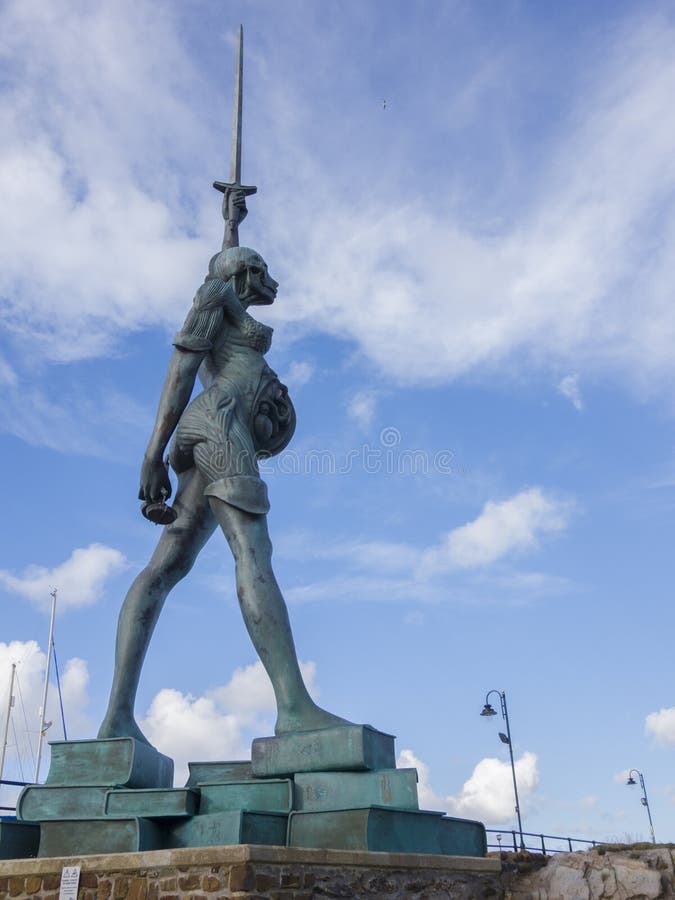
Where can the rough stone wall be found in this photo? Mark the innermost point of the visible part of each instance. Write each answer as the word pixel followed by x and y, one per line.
pixel 262 881
pixel 259 883
pixel 629 873
pixel 640 872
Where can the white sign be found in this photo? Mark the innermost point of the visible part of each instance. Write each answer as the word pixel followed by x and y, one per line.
pixel 70 880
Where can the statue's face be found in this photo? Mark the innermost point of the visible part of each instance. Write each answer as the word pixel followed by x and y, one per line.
pixel 257 287
pixel 253 283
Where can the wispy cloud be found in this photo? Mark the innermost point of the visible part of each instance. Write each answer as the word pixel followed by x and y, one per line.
pixel 99 167
pixel 569 387
pixel 361 408
pixel 299 374
pixel 480 554
pixel 579 278
pixel 73 421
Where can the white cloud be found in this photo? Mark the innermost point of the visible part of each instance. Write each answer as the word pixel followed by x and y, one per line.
pixel 361 408
pixel 299 373
pixel 425 793
pixel 101 425
pixel 581 278
pixel 79 580
pixel 661 726
pixel 88 173
pixel 99 155
pixel 621 777
pixel 487 795
pixel 502 528
pixel 75 693
pixel 8 377
pixel 221 723
pixel 388 571
pixel 25 715
pixel 569 387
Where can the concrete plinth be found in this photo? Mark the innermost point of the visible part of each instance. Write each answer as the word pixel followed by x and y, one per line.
pixel 245 871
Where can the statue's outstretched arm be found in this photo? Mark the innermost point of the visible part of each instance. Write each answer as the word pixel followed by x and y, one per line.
pixel 178 385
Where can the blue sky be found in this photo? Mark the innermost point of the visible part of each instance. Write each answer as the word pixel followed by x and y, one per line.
pixel 475 320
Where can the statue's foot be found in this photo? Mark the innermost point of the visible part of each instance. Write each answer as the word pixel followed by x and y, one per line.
pixel 117 725
pixel 309 718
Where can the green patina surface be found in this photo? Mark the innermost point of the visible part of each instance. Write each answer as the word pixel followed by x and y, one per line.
pixel 231 827
pixel 273 795
pixel 342 748
pixel 114 762
pixel 386 830
pixel 18 839
pixel 463 837
pixel 345 794
pixel 88 836
pixel 316 791
pixel 219 772
pixel 37 803
pixel 154 803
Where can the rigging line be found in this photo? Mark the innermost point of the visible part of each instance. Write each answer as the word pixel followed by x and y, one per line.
pixel 58 685
pixel 18 754
pixel 25 719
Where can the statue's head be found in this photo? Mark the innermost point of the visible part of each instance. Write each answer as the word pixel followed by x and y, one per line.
pixel 252 281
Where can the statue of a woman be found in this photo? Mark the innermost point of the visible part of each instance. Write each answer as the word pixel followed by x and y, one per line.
pixel 243 413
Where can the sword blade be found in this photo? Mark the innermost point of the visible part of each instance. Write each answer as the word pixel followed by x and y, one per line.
pixel 235 158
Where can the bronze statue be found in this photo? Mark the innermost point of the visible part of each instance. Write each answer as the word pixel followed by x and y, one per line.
pixel 243 413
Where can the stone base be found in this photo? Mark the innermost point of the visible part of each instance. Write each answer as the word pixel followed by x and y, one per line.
pixel 344 748
pixel 282 873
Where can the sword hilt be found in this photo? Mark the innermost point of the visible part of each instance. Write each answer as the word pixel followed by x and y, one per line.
pixel 223 186
pixel 231 235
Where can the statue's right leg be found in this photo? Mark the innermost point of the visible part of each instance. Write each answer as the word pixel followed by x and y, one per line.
pixel 173 558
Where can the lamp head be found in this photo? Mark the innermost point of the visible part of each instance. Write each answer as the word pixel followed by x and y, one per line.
pixel 488 710
pixel 631 780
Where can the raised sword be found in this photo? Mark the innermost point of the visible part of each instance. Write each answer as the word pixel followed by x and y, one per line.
pixel 231 236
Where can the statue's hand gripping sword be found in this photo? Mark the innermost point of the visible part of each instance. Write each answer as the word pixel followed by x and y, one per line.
pixel 231 236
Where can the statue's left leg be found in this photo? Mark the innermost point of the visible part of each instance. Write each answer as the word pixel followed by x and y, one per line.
pixel 266 618
pixel 173 558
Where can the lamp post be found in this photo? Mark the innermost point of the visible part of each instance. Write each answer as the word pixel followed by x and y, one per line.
pixel 643 798
pixel 506 739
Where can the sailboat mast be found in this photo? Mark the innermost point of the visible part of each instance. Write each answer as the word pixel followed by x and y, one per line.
pixel 10 698
pixel 43 711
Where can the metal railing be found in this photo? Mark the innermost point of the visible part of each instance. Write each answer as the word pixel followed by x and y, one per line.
pixel 14 784
pixel 540 846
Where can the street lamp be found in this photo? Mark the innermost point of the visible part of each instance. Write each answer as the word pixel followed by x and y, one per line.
pixel 488 710
pixel 643 798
